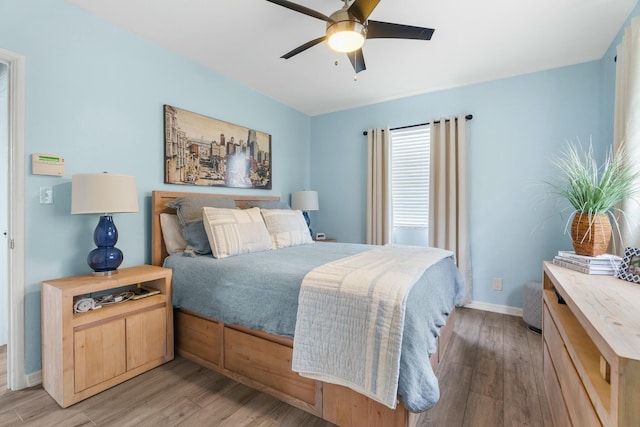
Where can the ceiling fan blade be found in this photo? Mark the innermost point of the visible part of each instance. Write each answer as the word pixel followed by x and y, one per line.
pixel 301 9
pixel 357 60
pixel 387 30
pixel 303 47
pixel 361 9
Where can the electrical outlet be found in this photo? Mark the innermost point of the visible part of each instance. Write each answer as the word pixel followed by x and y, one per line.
pixel 46 195
pixel 497 283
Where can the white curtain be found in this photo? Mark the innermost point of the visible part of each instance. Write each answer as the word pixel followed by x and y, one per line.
pixel 449 204
pixel 626 126
pixel 379 213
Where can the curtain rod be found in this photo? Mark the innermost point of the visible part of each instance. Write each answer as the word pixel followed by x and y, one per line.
pixel 467 117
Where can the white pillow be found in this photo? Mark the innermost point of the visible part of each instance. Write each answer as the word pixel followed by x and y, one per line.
pixel 172 233
pixel 286 227
pixel 235 231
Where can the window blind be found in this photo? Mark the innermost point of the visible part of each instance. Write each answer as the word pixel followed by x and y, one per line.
pixel 410 164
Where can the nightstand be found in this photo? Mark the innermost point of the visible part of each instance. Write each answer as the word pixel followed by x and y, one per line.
pixel 326 241
pixel 88 352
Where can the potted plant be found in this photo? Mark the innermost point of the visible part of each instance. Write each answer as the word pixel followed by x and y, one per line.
pixel 594 193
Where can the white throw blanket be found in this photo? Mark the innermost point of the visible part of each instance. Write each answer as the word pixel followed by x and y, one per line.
pixel 351 318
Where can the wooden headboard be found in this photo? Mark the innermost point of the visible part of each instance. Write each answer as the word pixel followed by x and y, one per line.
pixel 158 201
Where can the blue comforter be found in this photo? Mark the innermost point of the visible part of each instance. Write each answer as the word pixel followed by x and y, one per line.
pixel 260 291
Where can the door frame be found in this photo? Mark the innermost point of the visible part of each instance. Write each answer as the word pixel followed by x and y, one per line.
pixel 16 377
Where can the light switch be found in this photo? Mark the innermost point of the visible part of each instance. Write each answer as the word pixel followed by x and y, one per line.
pixel 46 195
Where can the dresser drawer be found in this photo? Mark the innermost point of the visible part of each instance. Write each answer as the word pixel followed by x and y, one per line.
pixel 554 393
pixel 577 401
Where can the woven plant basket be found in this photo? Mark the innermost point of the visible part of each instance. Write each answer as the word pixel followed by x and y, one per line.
pixel 590 234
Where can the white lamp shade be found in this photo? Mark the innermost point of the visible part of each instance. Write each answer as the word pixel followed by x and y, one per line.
pixel 304 200
pixel 103 193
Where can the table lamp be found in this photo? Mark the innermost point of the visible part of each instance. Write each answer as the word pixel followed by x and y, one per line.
pixel 104 193
pixel 305 201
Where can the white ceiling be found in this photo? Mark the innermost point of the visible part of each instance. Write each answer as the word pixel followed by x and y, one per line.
pixel 474 41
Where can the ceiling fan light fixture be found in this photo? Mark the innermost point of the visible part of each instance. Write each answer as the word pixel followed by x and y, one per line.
pixel 345 36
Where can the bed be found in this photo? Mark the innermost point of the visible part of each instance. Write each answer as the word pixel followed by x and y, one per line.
pixel 261 356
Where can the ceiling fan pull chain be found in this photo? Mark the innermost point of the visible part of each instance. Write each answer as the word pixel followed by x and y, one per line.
pixel 355 66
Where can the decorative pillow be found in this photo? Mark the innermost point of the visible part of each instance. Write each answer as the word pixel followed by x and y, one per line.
pixel 267 204
pixel 235 231
pixel 286 228
pixel 172 234
pixel 189 211
pixel 196 238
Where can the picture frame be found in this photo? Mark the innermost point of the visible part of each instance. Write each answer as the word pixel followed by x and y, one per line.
pixel 200 150
pixel 630 267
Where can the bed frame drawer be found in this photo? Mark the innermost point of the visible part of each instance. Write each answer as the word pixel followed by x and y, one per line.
pixel 267 362
pixel 198 337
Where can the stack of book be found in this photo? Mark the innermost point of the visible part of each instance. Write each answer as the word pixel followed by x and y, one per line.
pixel 606 264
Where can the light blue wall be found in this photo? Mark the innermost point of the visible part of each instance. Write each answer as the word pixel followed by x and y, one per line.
pixel 94 94
pixel 518 124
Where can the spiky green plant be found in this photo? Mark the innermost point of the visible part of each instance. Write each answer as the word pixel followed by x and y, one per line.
pixel 593 189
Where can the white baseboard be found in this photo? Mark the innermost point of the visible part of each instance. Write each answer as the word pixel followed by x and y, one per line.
pixel 33 379
pixel 495 308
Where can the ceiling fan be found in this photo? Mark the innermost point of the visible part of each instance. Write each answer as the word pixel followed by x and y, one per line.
pixel 348 27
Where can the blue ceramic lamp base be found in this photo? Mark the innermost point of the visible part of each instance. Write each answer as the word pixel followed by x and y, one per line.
pixel 106 258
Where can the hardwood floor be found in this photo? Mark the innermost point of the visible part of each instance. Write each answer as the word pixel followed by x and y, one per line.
pixel 491 377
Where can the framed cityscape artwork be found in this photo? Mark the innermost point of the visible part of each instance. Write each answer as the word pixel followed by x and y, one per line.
pixel 199 150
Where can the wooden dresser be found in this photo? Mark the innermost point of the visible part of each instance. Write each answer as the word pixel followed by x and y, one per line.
pixel 591 348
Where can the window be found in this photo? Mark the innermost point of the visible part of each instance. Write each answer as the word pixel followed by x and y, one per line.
pixel 410 162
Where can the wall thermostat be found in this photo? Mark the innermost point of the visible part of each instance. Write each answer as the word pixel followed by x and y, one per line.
pixel 47 164
pixel 320 236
